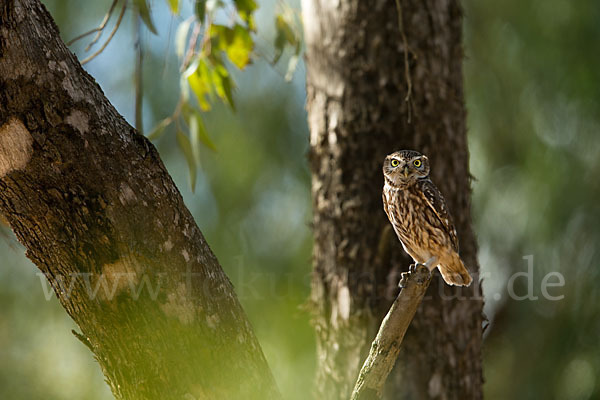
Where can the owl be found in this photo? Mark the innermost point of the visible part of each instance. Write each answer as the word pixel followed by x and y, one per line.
pixel 418 213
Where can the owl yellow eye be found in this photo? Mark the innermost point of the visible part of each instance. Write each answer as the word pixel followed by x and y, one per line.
pixel 417 163
pixel 395 163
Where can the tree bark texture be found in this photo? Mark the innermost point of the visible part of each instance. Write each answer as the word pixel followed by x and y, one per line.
pixel 384 76
pixel 99 215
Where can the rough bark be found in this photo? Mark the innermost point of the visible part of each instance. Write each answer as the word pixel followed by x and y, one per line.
pixel 384 76
pixel 99 215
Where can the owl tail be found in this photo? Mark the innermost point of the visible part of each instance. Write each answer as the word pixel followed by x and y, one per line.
pixel 454 272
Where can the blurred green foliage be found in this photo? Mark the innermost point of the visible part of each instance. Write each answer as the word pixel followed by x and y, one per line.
pixel 532 77
pixel 532 80
pixel 215 30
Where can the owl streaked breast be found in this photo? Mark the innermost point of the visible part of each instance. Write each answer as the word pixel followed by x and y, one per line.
pixel 419 216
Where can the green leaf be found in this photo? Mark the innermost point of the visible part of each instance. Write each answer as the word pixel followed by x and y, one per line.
pixel 200 10
pixel 195 138
pixel 241 46
pixel 220 35
pixel 285 35
pixel 184 88
pixel 282 26
pixel 245 9
pixel 236 42
pixel 201 136
pixel 201 84
pixel 222 82
pixel 174 6
pixel 187 110
pixel 291 67
pixel 298 48
pixel 280 42
pixel 181 36
pixel 159 129
pixel 186 147
pixel 228 89
pixel 144 11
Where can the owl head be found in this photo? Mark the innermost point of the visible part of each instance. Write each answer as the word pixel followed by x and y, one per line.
pixel 405 167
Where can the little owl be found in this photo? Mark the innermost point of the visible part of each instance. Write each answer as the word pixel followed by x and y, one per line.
pixel 418 213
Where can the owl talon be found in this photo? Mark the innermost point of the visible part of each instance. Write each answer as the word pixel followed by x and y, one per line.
pixel 414 268
pixel 403 280
pixel 421 272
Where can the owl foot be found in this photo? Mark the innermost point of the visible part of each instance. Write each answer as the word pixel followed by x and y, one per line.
pixel 412 269
pixel 421 272
pixel 403 280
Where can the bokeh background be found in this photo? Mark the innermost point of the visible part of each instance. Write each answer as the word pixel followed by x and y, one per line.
pixel 532 80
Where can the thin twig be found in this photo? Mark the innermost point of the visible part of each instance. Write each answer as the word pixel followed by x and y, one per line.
pixel 106 18
pixel 112 34
pixel 70 42
pixel 99 29
pixel 165 62
pixel 386 346
pixel 407 77
pixel 191 47
pixel 139 94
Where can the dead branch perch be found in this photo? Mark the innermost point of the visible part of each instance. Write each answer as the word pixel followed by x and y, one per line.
pixel 386 346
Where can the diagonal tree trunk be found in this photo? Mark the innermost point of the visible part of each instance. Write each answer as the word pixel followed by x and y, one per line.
pixel 99 215
pixel 384 76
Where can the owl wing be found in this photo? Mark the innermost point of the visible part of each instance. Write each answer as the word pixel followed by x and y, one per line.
pixel 437 203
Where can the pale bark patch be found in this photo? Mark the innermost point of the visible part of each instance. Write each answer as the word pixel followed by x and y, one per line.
pixel 15 146
pixel 186 255
pixel 126 194
pixel 435 386
pixel 344 302
pixel 179 305
pixel 117 277
pixel 212 321
pixel 78 120
pixel 168 245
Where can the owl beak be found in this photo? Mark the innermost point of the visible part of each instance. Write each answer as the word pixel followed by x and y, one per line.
pixel 405 170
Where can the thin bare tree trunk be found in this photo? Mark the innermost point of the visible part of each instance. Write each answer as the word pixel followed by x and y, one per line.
pixel 384 76
pixel 99 215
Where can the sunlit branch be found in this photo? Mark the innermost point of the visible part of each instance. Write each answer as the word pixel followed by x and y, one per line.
pixel 386 346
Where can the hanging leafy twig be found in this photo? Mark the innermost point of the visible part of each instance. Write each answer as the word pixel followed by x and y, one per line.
pixel 191 51
pixel 206 57
pixel 207 50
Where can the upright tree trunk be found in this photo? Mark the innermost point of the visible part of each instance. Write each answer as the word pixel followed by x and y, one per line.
pixel 384 76
pixel 99 215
